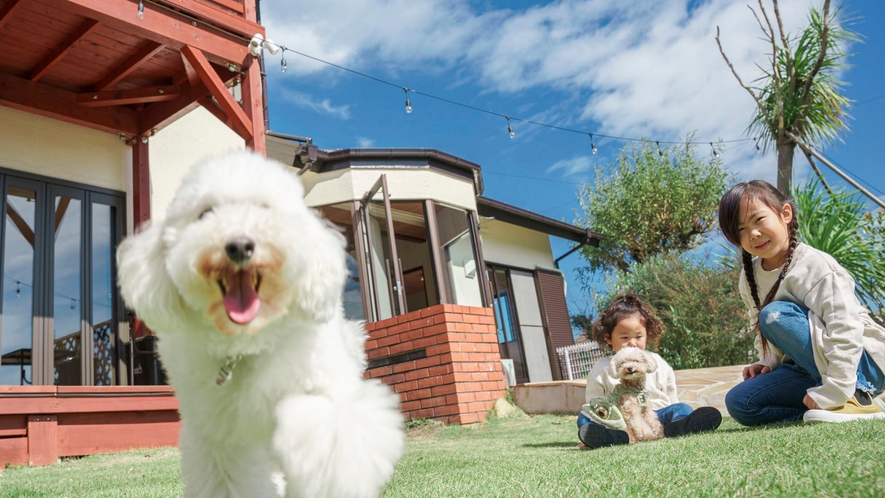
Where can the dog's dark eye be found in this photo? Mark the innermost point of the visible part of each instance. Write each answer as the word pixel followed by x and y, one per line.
pixel 205 212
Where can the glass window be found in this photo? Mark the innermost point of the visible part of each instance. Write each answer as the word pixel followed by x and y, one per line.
pixel 68 343
pixel 462 267
pixel 341 215
pixel 18 290
pixel 104 302
pixel 509 338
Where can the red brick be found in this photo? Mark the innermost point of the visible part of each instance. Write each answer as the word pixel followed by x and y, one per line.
pixel 401 347
pixel 462 377
pixel 408 406
pixel 411 335
pixel 387 341
pixel 433 402
pixel 486 395
pixel 419 394
pixel 383 324
pixel 398 329
pixel 407 317
pixel 454 399
pixel 425 413
pixel 472 418
pixel 430 382
pixel 447 318
pixel 434 330
pixel 433 310
pixel 487 320
pixel 492 386
pixel 416 374
pixel 378 353
pixel 443 390
pixel 439 370
pixel 427 362
pixel 394 379
pixel 369 326
pixel 405 386
pixel 445 410
pixel 424 342
pixel 381 371
pixel 378 333
pixel 404 366
pixel 420 323
pixel 471 319
pixel 469 387
pixel 371 344
pixel 439 349
pixel 474 338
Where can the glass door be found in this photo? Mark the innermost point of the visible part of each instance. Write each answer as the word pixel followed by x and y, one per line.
pixel 383 262
pixel 19 328
pixel 66 320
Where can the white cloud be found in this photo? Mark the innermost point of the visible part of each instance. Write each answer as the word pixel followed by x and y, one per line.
pixel 571 167
pixel 632 68
pixel 323 106
pixel 365 143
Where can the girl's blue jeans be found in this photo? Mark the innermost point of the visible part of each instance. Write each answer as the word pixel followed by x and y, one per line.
pixel 778 395
pixel 666 414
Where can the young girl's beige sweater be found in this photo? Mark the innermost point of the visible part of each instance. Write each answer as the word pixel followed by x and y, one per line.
pixel 660 384
pixel 841 327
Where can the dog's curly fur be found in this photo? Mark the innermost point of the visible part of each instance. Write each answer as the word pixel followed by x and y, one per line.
pixel 296 416
pixel 631 365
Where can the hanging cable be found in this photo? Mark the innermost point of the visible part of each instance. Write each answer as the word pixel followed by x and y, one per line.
pixel 592 144
pixel 408 102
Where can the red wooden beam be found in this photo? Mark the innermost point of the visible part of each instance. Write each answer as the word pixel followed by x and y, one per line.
pixel 59 53
pixel 230 4
pixel 220 17
pixel 161 114
pixel 126 97
pixel 253 105
pixel 167 27
pixel 8 10
pixel 144 54
pixel 240 123
pixel 141 183
pixel 55 103
pixel 213 107
pixel 42 439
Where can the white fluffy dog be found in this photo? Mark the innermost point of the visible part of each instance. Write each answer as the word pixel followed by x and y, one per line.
pixel 242 283
pixel 631 365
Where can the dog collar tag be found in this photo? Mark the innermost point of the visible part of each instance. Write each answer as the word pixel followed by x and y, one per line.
pixel 227 370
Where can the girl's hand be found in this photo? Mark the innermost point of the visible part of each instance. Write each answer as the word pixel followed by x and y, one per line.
pixel 754 370
pixel 810 403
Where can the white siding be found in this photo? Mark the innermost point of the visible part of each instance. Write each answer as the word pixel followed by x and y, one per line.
pixel 511 245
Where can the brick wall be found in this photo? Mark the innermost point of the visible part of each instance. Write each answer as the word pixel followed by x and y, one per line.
pixel 443 361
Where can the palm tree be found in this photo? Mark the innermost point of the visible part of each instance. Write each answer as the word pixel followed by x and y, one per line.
pixel 798 98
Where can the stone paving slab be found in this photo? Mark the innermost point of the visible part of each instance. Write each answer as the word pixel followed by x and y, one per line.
pixel 697 387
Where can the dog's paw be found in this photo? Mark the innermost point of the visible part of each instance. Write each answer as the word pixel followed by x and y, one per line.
pixel 343 447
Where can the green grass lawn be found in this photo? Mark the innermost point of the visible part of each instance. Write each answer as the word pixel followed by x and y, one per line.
pixel 538 456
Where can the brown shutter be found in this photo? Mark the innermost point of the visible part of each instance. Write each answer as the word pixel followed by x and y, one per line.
pixel 556 319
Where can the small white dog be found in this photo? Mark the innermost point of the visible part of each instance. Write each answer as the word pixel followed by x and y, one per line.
pixel 242 283
pixel 631 365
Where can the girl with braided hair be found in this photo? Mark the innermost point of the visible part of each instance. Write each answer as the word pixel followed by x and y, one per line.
pixel 821 356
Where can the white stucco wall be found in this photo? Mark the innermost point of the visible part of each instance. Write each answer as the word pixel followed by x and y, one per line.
pixel 512 245
pixel 56 149
pixel 404 184
pixel 175 149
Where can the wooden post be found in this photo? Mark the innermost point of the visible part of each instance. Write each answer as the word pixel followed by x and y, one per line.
pixel 42 439
pixel 253 104
pixel 141 183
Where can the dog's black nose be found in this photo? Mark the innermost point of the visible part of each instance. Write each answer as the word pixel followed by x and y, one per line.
pixel 239 249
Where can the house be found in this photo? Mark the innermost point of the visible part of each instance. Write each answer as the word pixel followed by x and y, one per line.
pixel 101 114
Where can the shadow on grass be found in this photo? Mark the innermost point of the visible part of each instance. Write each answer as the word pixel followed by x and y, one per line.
pixel 558 444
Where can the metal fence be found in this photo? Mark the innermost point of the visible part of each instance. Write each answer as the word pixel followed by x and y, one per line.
pixel 577 360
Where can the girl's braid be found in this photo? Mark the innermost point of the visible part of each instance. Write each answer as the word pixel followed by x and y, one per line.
pixel 794 241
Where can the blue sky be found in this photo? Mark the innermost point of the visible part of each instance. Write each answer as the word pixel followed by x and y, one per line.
pixel 628 69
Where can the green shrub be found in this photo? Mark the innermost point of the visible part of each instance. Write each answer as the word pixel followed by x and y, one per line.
pixel 705 321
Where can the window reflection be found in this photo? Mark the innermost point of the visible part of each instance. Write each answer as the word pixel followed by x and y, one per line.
pixel 509 338
pixel 18 291
pixel 66 308
pixel 341 216
pixel 462 280
pixel 103 302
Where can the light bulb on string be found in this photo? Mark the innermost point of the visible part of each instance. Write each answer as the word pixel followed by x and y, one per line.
pixel 660 152
pixel 592 144
pixel 408 102
pixel 756 142
pixel 18 289
pixel 72 304
pixel 510 128
pixel 283 64
pixel 715 152
pixel 141 9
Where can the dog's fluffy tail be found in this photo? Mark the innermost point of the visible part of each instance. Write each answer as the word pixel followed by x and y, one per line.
pixel 344 447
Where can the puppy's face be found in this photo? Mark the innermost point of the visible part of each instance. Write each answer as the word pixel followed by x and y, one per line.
pixel 240 248
pixel 632 364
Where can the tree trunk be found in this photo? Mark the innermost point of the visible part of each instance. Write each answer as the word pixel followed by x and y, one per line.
pixel 785 166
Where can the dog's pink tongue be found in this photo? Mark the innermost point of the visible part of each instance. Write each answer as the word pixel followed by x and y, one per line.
pixel 241 300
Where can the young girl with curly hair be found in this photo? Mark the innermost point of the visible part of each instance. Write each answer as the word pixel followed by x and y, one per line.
pixel 628 322
pixel 821 355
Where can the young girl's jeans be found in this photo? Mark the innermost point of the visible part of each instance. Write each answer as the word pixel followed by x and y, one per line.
pixel 778 395
pixel 666 414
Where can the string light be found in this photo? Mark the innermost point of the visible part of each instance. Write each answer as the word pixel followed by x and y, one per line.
pixel 283 63
pixel 758 149
pixel 592 144
pixel 408 102
pixel 72 304
pixel 715 152
pixel 18 289
pixel 509 126
pixel 141 9
pixel 660 152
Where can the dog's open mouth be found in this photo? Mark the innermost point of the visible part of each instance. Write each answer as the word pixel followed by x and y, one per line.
pixel 240 290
